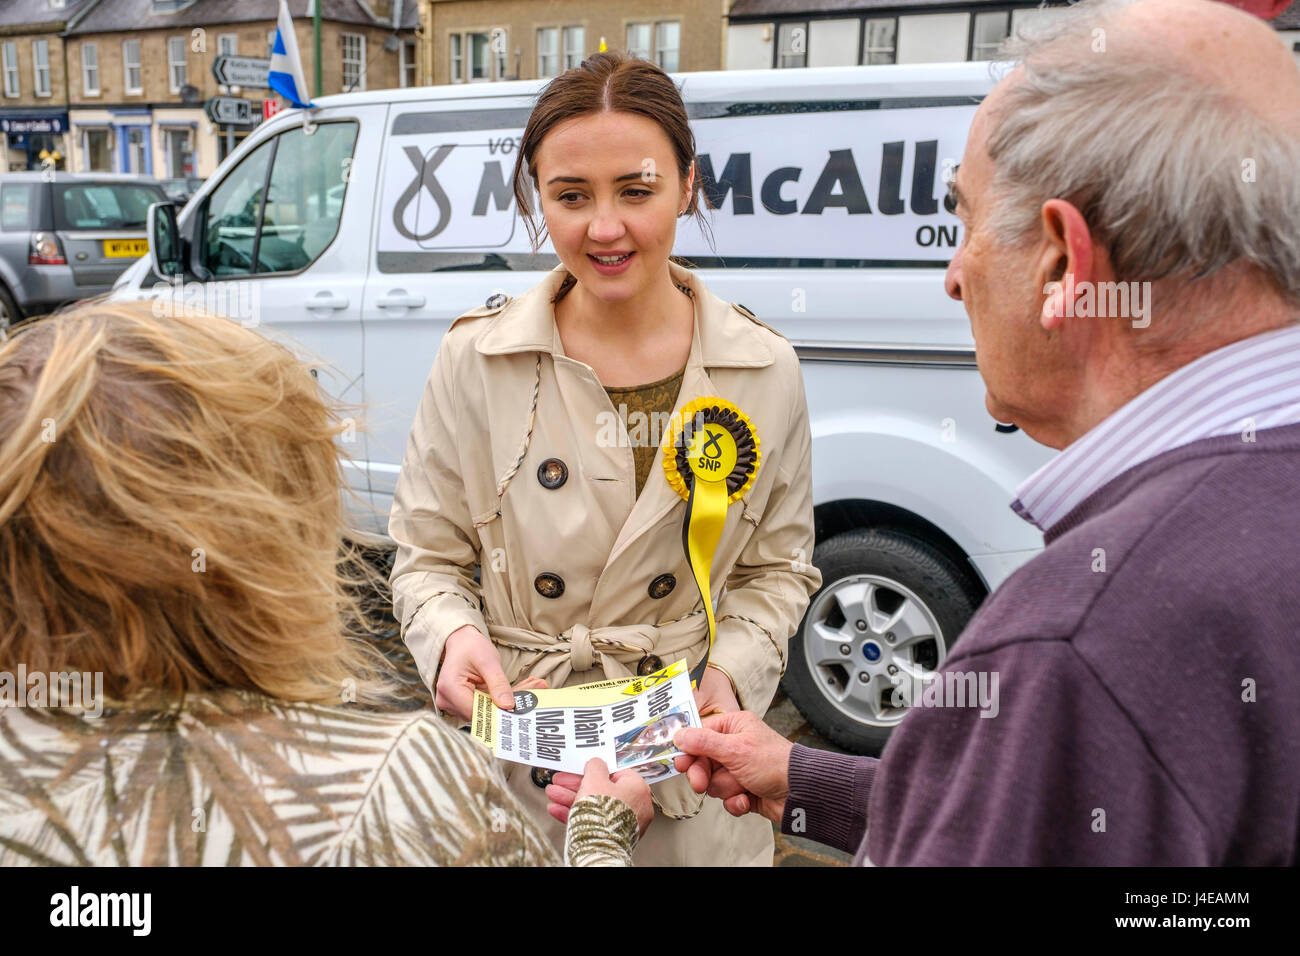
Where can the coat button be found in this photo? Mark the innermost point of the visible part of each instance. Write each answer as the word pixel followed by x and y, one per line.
pixel 549 585
pixel 542 776
pixel 552 473
pixel 495 301
pixel 649 664
pixel 662 586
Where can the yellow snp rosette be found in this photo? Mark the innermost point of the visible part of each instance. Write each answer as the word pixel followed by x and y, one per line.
pixel 710 457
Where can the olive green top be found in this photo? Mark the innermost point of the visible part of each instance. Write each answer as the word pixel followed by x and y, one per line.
pixel 646 411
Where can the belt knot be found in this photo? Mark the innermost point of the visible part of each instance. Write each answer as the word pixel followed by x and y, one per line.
pixel 581 654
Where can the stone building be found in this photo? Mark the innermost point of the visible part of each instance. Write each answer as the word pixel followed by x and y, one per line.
pixel 33 88
pixel 125 81
pixel 482 41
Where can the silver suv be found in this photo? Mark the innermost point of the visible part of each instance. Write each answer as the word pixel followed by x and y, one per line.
pixel 67 236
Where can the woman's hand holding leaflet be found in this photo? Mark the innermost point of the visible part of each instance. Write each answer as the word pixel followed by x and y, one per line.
pixel 470 663
pixel 626 785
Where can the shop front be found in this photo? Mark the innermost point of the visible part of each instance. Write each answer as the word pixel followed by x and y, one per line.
pixel 32 136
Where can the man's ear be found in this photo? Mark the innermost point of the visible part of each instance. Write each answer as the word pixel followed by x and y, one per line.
pixel 1065 262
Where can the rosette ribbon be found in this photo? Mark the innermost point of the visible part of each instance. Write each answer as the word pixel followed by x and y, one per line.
pixel 710 457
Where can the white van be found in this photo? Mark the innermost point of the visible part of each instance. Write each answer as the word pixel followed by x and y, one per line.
pixel 388 213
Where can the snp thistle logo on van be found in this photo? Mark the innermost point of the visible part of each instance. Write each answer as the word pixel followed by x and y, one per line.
pixel 424 180
pixel 818 180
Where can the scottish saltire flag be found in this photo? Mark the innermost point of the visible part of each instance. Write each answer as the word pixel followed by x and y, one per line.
pixel 286 76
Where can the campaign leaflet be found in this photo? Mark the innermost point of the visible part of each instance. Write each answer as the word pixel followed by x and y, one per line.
pixel 628 722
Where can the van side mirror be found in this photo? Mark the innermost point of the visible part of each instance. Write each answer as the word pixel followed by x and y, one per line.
pixel 164 240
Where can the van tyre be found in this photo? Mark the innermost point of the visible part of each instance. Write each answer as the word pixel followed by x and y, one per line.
pixel 889 609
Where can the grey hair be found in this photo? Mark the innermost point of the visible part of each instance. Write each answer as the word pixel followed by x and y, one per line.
pixel 1157 160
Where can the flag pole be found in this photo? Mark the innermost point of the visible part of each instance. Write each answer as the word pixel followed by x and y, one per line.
pixel 315 18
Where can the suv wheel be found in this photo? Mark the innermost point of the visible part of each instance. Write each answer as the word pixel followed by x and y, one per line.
pixel 9 314
pixel 889 609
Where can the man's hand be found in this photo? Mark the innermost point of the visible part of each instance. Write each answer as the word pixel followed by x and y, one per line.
pixel 470 663
pixel 714 695
pixel 752 760
pixel 626 785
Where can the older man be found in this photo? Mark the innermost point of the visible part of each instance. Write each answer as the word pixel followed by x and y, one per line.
pixel 1149 657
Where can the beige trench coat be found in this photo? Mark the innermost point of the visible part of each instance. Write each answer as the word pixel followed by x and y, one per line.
pixel 501 399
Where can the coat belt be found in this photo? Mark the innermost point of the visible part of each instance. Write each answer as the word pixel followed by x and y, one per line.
pixel 579 648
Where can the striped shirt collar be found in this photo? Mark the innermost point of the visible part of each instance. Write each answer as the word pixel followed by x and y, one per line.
pixel 1244 387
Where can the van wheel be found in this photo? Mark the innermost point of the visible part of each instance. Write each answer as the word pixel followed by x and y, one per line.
pixel 889 609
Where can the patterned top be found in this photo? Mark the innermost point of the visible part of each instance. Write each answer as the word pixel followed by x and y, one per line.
pixel 237 779
pixel 648 408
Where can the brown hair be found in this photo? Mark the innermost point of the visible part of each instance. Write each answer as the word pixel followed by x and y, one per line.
pixel 613 81
pixel 170 512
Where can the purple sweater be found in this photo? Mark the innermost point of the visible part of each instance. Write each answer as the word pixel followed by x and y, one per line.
pixel 1149 713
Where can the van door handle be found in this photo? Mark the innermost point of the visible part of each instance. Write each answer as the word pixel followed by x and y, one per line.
pixel 400 299
pixel 327 300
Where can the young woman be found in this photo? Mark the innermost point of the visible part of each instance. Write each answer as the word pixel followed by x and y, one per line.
pixel 544 453
pixel 178 684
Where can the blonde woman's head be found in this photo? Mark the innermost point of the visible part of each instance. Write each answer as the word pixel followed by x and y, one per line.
pixel 170 510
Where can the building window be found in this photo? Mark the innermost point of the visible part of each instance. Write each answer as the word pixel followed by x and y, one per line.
pixel 354 62
pixel 879 41
pixel 11 68
pixel 987 34
pixel 96 151
pixel 638 40
pixel 500 53
pixel 792 45
pixel 179 149
pixel 548 54
pixel 176 76
pixel 228 44
pixel 574 42
pixel 457 59
pixel 136 150
pixel 89 69
pixel 131 66
pixel 41 66
pixel 668 38
pixel 479 49
pixel 406 65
